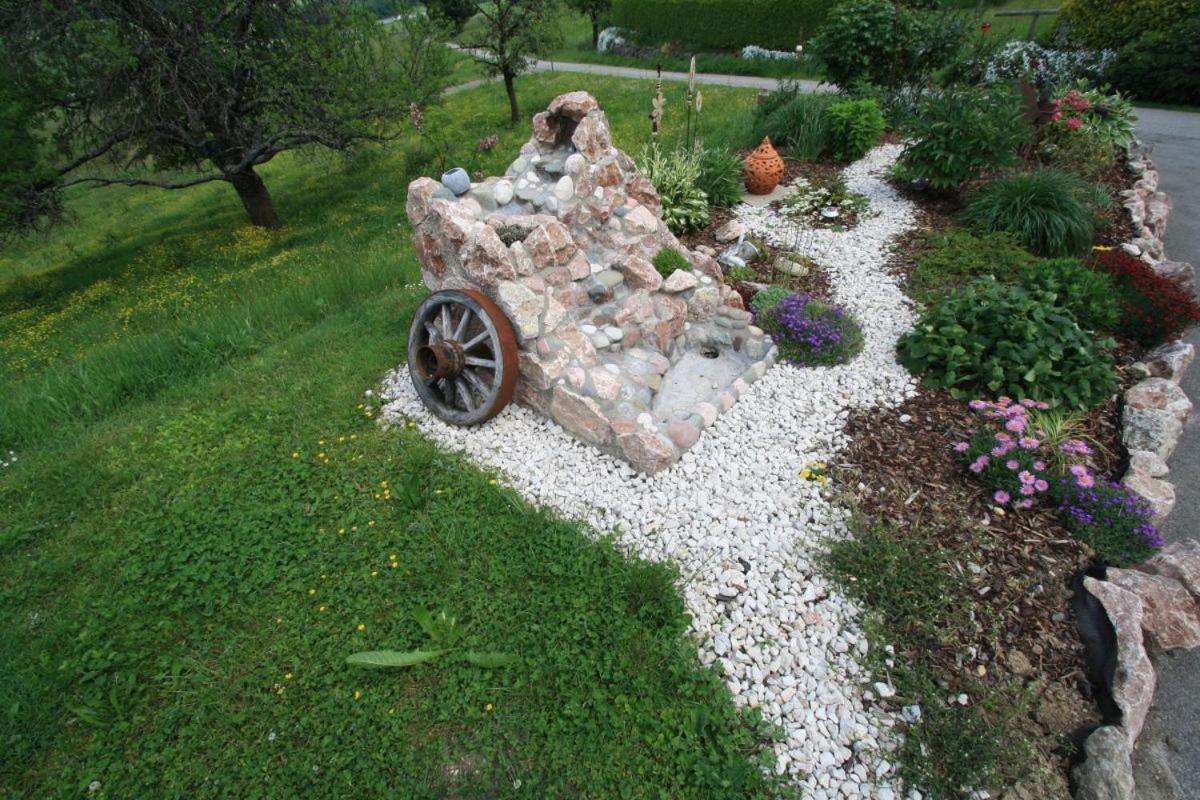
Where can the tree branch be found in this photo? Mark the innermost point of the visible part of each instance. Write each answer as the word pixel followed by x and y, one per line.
pixel 146 182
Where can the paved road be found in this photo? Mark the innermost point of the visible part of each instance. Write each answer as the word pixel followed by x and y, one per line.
pixel 1175 137
pixel 1168 761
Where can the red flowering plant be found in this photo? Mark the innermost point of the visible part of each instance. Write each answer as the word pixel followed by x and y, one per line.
pixel 1154 308
pixel 1018 459
pixel 1082 118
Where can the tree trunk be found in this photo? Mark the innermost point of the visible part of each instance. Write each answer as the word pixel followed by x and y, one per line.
pixel 595 32
pixel 512 96
pixel 255 198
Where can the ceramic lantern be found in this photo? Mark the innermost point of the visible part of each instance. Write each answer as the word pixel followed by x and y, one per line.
pixel 763 168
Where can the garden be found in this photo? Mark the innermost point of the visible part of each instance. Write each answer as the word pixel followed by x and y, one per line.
pixel 837 446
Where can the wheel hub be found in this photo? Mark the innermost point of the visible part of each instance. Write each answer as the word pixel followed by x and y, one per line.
pixel 440 360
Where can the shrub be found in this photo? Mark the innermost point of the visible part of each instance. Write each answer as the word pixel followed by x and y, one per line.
pixel 722 24
pixel 1154 308
pixel 1047 209
pixel 1023 60
pixel 675 173
pixel 957 255
pixel 958 133
pixel 885 43
pixel 1112 520
pixel 991 339
pixel 1162 65
pixel 854 128
pixel 1104 23
pixel 1085 294
pixel 808 332
pixel 799 122
pixel 768 298
pixel 720 176
pixel 667 260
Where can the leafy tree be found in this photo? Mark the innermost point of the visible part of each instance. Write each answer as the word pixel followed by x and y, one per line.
pixel 454 13
pixel 594 10
pixel 176 94
pixel 513 31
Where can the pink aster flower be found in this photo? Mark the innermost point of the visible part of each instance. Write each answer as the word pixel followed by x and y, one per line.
pixel 1003 437
pixel 1025 503
pixel 1015 425
pixel 1029 443
pixel 1085 481
pixel 1013 464
pixel 1026 477
pixel 1001 497
pixel 1004 402
pixel 1078 470
pixel 1041 485
pixel 962 447
pixel 978 465
pixel 1029 403
pixel 977 405
pixel 1027 490
pixel 1040 466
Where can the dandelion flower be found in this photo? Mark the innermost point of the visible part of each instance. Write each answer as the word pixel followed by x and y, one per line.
pixel 492 482
pixel 312 591
pixel 322 609
pixel 488 707
pixel 361 627
pixel 374 573
pixel 805 473
pixel 287 676
pixel 295 454
pixel 357 695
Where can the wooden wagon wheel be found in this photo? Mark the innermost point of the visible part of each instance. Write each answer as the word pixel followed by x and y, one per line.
pixel 462 356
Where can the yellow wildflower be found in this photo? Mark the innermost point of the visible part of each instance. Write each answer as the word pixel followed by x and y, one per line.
pixel 357 695
pixel 805 473
pixel 488 707
pixel 287 676
pixel 295 454
pixel 312 591
pixel 322 608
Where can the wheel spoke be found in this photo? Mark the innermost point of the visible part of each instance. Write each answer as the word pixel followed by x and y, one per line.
pixel 480 362
pixel 476 381
pixel 465 394
pixel 445 320
pixel 462 324
pixel 486 334
pixel 434 334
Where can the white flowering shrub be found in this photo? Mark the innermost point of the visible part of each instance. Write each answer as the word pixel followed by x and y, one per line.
pixel 1017 59
pixel 610 39
pixel 753 51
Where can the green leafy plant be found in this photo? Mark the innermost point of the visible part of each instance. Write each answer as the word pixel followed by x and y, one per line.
pixel 768 298
pixel 808 332
pixel 1086 295
pixel 887 44
pixel 1102 23
pixel 740 274
pixel 959 133
pixel 957 255
pixel 667 260
pixel 1162 65
pixel 854 128
pixel 720 176
pixel 1048 209
pixel 445 636
pixel 721 24
pixel 676 175
pixel 993 339
pixel 798 121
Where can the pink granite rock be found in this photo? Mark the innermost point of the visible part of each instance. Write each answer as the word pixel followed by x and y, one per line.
pixel 1161 394
pixel 1178 560
pixel 485 258
pixel 1170 615
pixel 639 273
pixel 1158 493
pixel 646 451
pixel 580 415
pixel 420 192
pixel 592 138
pixel 574 105
pixel 1134 681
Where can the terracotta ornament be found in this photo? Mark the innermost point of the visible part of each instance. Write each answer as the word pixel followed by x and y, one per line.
pixel 763 168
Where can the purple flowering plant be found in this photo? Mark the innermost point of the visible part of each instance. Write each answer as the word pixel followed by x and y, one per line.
pixel 807 331
pixel 1114 521
pixel 1022 465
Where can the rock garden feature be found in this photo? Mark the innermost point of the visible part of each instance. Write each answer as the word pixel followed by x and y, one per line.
pixel 739 519
pixel 632 358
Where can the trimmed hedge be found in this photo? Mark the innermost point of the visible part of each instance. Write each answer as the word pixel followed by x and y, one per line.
pixel 723 24
pixel 1104 23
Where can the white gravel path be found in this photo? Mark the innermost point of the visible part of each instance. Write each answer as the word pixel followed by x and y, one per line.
pixel 738 520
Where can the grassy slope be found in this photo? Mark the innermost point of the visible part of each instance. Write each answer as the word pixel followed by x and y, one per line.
pixel 176 590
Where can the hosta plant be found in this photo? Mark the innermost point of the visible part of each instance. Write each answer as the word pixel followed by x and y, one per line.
pixel 676 175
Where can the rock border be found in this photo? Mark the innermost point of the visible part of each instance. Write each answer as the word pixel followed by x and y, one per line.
pixel 1155 605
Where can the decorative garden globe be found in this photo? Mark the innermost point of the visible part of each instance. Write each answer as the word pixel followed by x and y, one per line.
pixel 763 168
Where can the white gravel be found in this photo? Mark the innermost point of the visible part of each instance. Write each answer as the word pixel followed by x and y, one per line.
pixel 738 519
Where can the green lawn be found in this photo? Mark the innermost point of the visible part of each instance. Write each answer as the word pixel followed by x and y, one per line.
pixel 203 513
